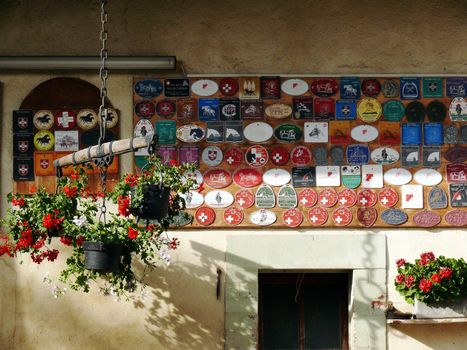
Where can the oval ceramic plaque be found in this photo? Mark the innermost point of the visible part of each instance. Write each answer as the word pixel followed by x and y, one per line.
pixel 258 132
pixel 193 199
pixel 245 198
pixel 456 217
pixel 217 178
pixel 324 87
pixel 364 133
pixel 233 216
pixel 148 88
pixel 204 87
pixel 394 217
pixel 426 218
pixel 428 177
pixel 294 87
pixel 190 133
pixel 247 177
pixel 317 216
pixel 384 155
pixel 278 111
pixel 263 217
pixel 288 133
pixel 292 217
pixel 397 176
pixel 219 199
pixel 276 177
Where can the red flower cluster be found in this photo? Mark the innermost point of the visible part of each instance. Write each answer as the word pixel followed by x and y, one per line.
pixel 425 258
pixel 131 179
pixel 123 205
pixel 50 255
pixel 425 285
pixel 5 249
pixel 18 201
pixel 173 162
pixel 132 233
pixel 409 281
pixel 79 241
pixel 70 191
pixel 445 272
pixel 436 278
pixel 400 262
pixel 74 175
pixel 66 240
pixel 25 240
pixel 400 278
pixel 50 221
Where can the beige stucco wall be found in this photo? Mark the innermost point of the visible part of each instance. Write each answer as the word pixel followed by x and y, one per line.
pixel 320 37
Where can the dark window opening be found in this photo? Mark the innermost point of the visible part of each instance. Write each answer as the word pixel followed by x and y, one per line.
pixel 303 311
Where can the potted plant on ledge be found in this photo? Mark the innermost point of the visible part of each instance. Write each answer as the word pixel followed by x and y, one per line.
pixel 124 236
pixel 437 286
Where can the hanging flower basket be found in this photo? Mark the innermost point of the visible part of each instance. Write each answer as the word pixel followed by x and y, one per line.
pixel 102 257
pixel 155 203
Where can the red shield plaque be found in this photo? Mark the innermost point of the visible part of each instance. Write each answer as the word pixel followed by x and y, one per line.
pixel 317 216
pixel 388 197
pixel 307 198
pixel 367 216
pixel 347 197
pixel 205 216
pixel 367 198
pixel 292 217
pixel 233 156
pixel 327 198
pixel 245 198
pixel 233 216
pixel 279 155
pixel 342 216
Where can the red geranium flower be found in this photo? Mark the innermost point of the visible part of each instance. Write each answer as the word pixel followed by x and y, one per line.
pixel 445 272
pixel 70 191
pixel 123 205
pixel 132 233
pixel 400 262
pixel 409 281
pixel 66 240
pixel 18 201
pixel 436 278
pixel 426 257
pixel 425 285
pixel 48 221
pixel 400 279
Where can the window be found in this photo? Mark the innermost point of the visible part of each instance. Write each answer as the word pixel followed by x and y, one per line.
pixel 301 311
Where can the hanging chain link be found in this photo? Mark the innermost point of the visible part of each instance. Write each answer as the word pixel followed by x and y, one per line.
pixel 103 162
pixel 103 73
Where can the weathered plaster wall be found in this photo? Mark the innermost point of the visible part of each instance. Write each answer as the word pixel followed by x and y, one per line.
pixel 321 37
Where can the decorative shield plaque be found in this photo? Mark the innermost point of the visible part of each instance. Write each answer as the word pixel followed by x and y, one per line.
pixel 304 177
pixel 351 176
pixel 215 132
pixel 228 86
pixel 300 155
pixel 190 133
pixel 292 218
pixel 367 216
pixel 388 197
pixel 358 154
pixel 233 216
pixel 437 198
pixel 458 109
pixel 270 87
pixel 212 156
pixel 307 198
pixel 233 132
pixel 369 109
pixel 279 155
pixel 347 197
pixel 287 197
pixel 245 198
pixel 43 120
pixel 384 155
pixel 458 193
pixel 205 216
pixel 327 198
pixel 410 88
pixel 410 156
pixel 233 156
pixel 426 218
pixel 23 120
pixel 317 216
pixel 265 197
pixel 342 216
pixel 256 156
pixel 367 198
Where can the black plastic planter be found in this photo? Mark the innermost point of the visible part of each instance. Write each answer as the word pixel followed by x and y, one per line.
pixel 155 205
pixel 101 256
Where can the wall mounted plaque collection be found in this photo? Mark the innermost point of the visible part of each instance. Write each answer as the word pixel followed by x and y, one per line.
pixel 41 136
pixel 311 152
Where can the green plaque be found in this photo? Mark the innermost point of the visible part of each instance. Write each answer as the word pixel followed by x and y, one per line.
pixel 432 87
pixel 393 110
pixel 166 130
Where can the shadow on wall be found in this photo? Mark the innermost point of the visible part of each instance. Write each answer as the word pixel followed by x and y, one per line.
pixel 185 312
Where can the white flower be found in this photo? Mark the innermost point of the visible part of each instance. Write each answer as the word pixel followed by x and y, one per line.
pixel 81 221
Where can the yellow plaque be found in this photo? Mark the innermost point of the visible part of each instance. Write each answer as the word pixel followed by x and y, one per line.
pixel 369 109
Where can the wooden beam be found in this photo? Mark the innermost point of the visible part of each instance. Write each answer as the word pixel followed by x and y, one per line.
pixel 108 148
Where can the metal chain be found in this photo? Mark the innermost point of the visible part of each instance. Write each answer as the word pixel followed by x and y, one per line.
pixel 103 162
pixel 103 73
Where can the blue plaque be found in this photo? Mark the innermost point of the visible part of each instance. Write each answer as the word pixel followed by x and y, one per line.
pixel 208 109
pixel 148 88
pixel 350 88
pixel 346 110
pixel 358 154
pixel 411 133
pixel 432 133
pixel 456 87
pixel 437 198
pixel 394 216
pixel 410 88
